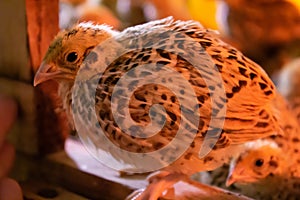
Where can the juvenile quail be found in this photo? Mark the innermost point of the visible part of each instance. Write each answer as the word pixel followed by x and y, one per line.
pixel 247 94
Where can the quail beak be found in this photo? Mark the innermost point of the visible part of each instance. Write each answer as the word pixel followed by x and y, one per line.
pixel 230 180
pixel 238 177
pixel 50 72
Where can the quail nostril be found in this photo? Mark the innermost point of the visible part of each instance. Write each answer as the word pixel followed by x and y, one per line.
pixel 46 68
pixel 50 68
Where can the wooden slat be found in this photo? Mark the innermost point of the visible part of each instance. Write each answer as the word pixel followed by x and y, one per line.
pixel 38 190
pixel 76 171
pixel 14 60
pixel 79 172
pixel 42 26
pixel 16 67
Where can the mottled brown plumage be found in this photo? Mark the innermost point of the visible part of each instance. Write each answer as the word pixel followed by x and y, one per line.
pixel 248 90
pixel 269 167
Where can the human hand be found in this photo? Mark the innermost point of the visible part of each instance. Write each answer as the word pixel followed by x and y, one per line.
pixel 9 188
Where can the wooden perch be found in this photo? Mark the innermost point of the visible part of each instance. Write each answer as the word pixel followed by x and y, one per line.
pixel 42 26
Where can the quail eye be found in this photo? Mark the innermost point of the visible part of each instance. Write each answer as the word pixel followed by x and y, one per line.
pixel 259 162
pixel 72 57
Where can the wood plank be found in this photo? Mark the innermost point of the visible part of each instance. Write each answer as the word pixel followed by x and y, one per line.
pixel 79 172
pixel 42 26
pixel 42 21
pixel 37 190
pixel 14 58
